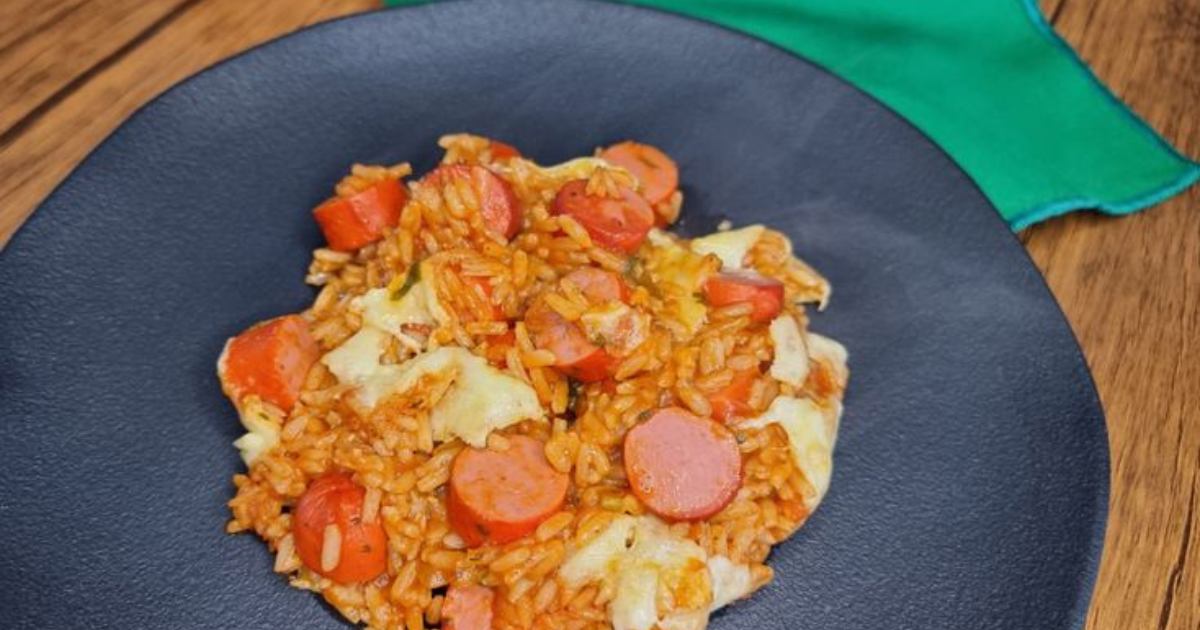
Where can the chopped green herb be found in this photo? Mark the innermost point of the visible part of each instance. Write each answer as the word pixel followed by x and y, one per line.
pixel 413 277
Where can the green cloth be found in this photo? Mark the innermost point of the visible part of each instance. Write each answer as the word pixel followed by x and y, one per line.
pixel 990 82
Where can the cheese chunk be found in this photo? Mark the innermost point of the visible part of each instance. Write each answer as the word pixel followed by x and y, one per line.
pixel 435 370
pixel 791 355
pixel 262 423
pixel 418 305
pixel 616 326
pixel 679 275
pixel 381 311
pixel 482 399
pixel 578 168
pixel 638 556
pixel 812 433
pixel 822 348
pixel 555 175
pixel 730 582
pixel 690 620
pixel 633 605
pixel 602 556
pixel 731 246
pixel 478 398
pixel 358 357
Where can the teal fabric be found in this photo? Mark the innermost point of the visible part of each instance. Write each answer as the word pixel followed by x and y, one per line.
pixel 990 82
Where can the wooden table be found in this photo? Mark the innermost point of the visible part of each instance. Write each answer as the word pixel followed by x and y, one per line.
pixel 72 70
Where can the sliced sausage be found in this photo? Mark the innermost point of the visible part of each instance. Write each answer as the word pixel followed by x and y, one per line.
pixel 352 222
pixel 734 287
pixel 468 607
pixel 596 365
pixel 681 466
pixel 497 203
pixel 599 286
pixel 500 496
pixel 334 500
pixel 619 224
pixel 656 171
pixel 733 399
pixel 574 355
pixel 269 360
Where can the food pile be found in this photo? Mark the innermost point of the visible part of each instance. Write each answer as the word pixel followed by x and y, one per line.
pixel 518 401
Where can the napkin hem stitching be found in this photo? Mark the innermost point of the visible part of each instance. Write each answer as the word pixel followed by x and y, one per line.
pixel 1052 209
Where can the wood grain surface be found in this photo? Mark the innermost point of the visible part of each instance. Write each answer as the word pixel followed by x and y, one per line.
pixel 72 70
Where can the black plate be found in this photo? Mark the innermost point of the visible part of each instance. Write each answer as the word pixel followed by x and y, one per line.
pixel 971 474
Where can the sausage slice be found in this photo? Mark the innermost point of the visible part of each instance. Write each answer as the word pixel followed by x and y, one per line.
pixel 682 466
pixel 500 496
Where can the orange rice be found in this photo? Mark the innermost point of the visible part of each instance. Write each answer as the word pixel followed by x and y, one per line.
pixel 390 451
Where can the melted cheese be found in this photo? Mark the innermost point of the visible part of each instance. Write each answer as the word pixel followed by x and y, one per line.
pixel 358 357
pixel 679 275
pixel 482 399
pixel 814 287
pixel 691 620
pixel 381 311
pixel 262 423
pixel 822 348
pixel 616 326
pixel 477 398
pixel 418 306
pixel 578 168
pixel 601 557
pixel 731 246
pixel 730 582
pixel 554 176
pixel 812 433
pixel 261 420
pixel 638 556
pixel 633 605
pixel 791 355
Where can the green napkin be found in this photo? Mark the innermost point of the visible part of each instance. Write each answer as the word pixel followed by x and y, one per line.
pixel 990 82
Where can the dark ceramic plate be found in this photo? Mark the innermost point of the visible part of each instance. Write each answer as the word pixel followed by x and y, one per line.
pixel 971 478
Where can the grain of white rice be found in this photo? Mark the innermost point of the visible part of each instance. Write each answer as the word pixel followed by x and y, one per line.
pixel 331 548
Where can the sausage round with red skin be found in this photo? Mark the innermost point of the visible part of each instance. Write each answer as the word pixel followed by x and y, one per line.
pixel 574 355
pixel 468 607
pixel 765 295
pixel 597 365
pixel 352 222
pixel 271 360
pixel 619 224
pixel 500 496
pixel 497 203
pixel 656 171
pixel 334 499
pixel 599 286
pixel 681 466
pixel 733 399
